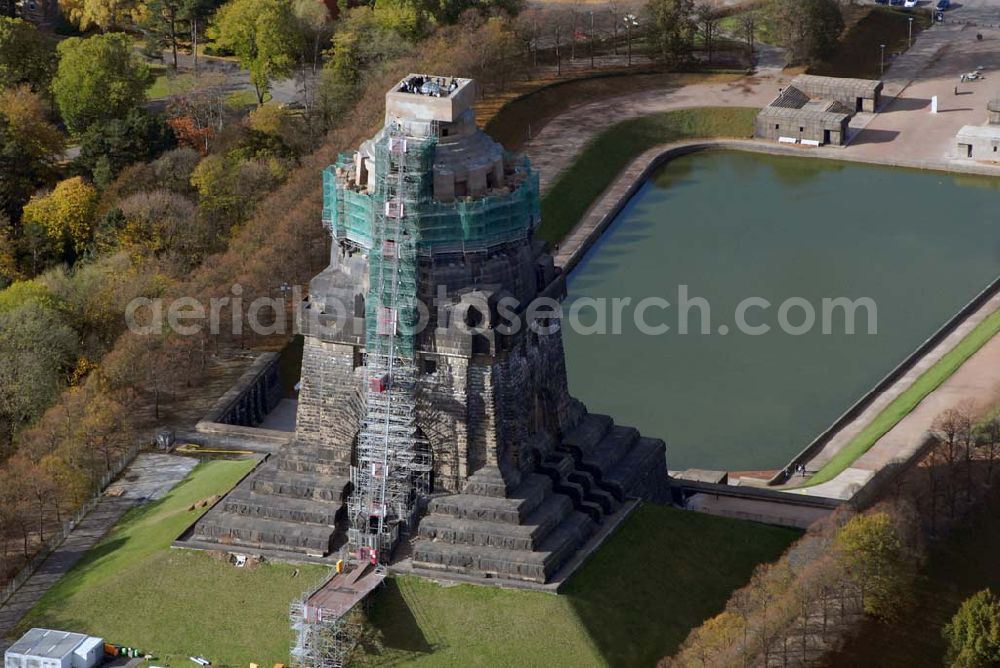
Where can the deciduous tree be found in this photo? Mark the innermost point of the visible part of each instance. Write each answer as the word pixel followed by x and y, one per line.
pixel 27 56
pixel 264 35
pixel 66 214
pixel 973 634
pixel 99 79
pixel 673 29
pixel 102 14
pixel 874 555
pixel 30 149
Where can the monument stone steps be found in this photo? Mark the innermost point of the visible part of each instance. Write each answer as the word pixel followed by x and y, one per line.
pixel 535 566
pixel 645 456
pixel 526 536
pixel 487 481
pixel 228 528
pixel 510 510
pixel 299 484
pixel 245 501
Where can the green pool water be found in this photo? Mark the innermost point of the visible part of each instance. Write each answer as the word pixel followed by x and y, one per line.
pixel 733 225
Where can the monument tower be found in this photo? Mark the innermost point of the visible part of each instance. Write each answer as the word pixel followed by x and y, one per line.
pixel 427 373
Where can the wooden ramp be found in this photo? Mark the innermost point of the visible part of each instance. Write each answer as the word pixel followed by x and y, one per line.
pixel 342 592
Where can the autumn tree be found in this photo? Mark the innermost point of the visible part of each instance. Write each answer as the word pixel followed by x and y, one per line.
pixel 30 149
pixel 101 14
pixel 66 214
pixel 264 35
pixel 874 555
pixel 954 430
pixel 99 79
pixel 27 56
pixel 973 634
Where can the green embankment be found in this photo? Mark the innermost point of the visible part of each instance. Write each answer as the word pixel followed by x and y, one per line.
pixel 605 156
pixel 902 405
pixel 661 574
pixel 133 589
pixel 634 601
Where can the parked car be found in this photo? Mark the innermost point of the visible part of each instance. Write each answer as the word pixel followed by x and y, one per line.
pixel 942 5
pixel 910 4
pixel 896 3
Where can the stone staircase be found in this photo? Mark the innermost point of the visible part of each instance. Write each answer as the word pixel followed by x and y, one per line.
pixel 528 528
pixel 291 503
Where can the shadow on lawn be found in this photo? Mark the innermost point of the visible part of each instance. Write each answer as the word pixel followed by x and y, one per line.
pixel 392 611
pixel 663 573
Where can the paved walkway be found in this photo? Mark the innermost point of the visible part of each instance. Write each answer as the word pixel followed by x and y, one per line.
pixel 150 477
pixel 977 383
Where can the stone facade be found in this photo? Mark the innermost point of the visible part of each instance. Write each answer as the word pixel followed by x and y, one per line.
pixel 981 142
pixel 816 110
pixel 522 475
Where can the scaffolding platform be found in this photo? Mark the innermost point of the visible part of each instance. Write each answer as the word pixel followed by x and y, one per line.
pixel 344 591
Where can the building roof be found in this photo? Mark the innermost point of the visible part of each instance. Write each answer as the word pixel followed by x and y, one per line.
pixel 805 114
pixel 793 103
pixel 49 644
pixel 833 86
pixel 980 131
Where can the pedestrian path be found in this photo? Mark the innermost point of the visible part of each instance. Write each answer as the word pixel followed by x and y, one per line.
pixel 150 477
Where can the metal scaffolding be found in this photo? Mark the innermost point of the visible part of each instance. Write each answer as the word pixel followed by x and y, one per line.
pixel 391 471
pixel 321 642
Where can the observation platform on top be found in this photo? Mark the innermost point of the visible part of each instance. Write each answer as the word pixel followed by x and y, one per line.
pixel 425 97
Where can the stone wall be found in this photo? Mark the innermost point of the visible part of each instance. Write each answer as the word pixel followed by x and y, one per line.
pixel 251 398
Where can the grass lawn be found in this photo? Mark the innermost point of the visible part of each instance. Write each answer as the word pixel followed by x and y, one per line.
pixel 908 400
pixel 661 574
pixel 512 117
pixel 134 590
pixel 611 151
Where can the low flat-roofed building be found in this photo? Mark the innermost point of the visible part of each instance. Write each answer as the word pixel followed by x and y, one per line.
pixel 45 648
pixel 979 142
pixel 795 117
pixel 855 94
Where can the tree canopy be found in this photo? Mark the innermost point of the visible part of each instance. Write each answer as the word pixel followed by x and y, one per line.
pixel 99 79
pixel 108 148
pixel 673 29
pixel 66 214
pixel 264 35
pixel 973 634
pixel 871 547
pixel 30 148
pixel 27 56
pixel 103 14
pixel 809 29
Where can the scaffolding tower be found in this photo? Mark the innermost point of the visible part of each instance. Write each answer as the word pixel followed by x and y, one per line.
pixel 321 641
pixel 326 620
pixel 392 469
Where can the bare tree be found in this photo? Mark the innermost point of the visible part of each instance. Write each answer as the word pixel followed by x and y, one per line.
pixel 708 18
